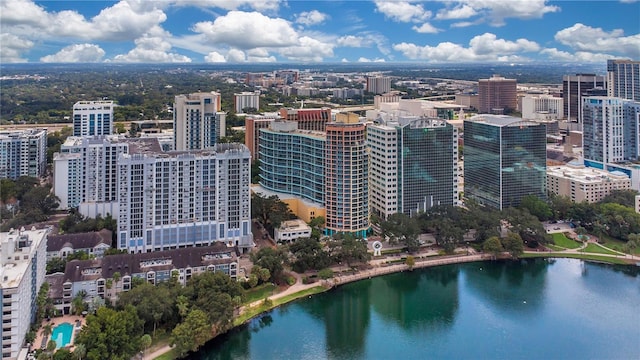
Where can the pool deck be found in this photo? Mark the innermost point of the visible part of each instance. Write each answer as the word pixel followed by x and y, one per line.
pixel 71 319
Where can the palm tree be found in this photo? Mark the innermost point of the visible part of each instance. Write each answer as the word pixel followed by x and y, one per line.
pixel 80 351
pixel 47 330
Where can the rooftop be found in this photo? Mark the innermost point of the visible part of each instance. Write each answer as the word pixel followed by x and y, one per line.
pixel 501 120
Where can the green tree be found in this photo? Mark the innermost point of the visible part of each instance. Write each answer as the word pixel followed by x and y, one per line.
pixel 46 330
pixel 269 211
pixel 308 254
pixel 271 259
pixel 536 207
pixel 79 351
pixel 348 249
pixel 527 226
pixel 63 354
pixel 326 273
pixel 410 261
pixel 402 228
pixel 112 332
pixel 513 244
pixel 492 246
pixel 192 333
pixel 145 342
pixel 626 197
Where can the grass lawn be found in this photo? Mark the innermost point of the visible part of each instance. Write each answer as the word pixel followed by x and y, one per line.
pixel 617 245
pixel 561 239
pixel 258 293
pixel 593 248
pixel 250 313
pixel 583 256
pixel 555 247
pixel 171 355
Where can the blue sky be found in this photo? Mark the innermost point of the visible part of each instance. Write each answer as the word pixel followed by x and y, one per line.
pixel 235 31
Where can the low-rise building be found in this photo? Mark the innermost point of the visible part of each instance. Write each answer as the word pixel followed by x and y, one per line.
pixel 584 184
pixel 107 277
pixel 93 243
pixel 291 230
pixel 22 271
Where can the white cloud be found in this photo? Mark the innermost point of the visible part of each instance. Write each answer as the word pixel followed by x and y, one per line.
pixel 235 55
pixel 578 56
pixel 246 30
pixel 496 11
pixel 215 57
pixel 312 17
pixel 77 53
pixel 485 47
pixel 151 49
pixel 344 60
pixel 364 59
pixel 488 43
pixel 585 38
pixel 426 28
pixel 459 12
pixel 259 5
pixel 13 47
pixel 402 11
pixel 352 41
pixel 308 49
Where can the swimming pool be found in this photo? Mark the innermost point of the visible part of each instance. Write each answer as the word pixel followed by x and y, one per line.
pixel 61 334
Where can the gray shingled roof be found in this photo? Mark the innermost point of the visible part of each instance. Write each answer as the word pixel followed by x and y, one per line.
pixel 79 240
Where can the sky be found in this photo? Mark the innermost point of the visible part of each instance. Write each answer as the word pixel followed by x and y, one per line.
pixel 295 31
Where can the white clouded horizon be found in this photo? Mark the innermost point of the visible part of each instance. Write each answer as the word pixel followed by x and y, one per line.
pixel 277 30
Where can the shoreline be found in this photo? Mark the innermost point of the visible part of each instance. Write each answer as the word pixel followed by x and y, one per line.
pixel 299 290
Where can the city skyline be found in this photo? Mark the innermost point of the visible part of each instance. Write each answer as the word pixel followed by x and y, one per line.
pixel 239 31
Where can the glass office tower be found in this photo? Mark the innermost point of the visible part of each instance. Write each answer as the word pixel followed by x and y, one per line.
pixel 505 160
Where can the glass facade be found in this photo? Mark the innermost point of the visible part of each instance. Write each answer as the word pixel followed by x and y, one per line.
pixel 293 163
pixel 428 163
pixel 505 160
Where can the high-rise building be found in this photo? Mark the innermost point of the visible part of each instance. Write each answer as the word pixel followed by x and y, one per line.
pixel 23 153
pixel 584 184
pixel 413 165
pixel 181 199
pixel 623 79
pixel 84 171
pixel 504 160
pixel 610 130
pixel 542 107
pixel 252 125
pixel 347 179
pixel 292 161
pixel 497 95
pixel 198 121
pixel 246 100
pixel 92 118
pixel 574 87
pixel 378 84
pixel 22 271
pixel 308 119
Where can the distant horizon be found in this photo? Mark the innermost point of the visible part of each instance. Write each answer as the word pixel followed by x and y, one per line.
pixel 328 32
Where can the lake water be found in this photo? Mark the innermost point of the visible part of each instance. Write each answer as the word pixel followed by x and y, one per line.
pixel 528 309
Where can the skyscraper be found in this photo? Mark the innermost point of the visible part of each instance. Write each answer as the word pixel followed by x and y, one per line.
pixel 347 180
pixel 246 100
pixel 23 153
pixel 610 130
pixel 292 161
pixel 252 125
pixel 413 165
pixel 504 160
pixel 198 121
pixel 497 95
pixel 623 77
pixel 177 199
pixel 92 118
pixel 574 87
pixel 378 84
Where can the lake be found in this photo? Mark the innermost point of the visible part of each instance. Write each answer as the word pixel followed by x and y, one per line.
pixel 527 309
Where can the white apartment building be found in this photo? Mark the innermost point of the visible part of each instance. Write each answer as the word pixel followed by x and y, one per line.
pixel 382 141
pixel 245 100
pixel 22 271
pixel 378 84
pixel 542 107
pixel 23 153
pixel 84 169
pixel 183 199
pixel 291 230
pixel 198 121
pixel 92 118
pixel 584 184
